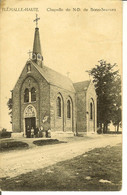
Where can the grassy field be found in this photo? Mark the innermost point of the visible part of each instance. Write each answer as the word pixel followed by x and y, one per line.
pixel 96 170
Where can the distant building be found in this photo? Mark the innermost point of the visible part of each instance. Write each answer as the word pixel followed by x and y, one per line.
pixel 41 91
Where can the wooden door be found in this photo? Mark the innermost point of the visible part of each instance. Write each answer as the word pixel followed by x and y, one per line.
pixel 29 123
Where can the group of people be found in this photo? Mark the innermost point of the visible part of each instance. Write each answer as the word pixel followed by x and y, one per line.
pixel 43 131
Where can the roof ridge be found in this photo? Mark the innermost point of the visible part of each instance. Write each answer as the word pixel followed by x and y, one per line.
pixel 54 77
pixel 58 73
pixel 82 81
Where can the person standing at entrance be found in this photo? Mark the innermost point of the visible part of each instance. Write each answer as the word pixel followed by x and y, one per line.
pixel 28 132
pixel 46 126
pixel 36 132
pixel 32 132
pixel 40 131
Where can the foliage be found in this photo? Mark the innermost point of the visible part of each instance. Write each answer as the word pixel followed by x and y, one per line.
pixel 4 130
pixel 5 134
pixel 108 88
pixel 99 131
pixel 9 104
pixel 117 114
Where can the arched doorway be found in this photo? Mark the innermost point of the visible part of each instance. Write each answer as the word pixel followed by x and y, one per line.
pixel 29 118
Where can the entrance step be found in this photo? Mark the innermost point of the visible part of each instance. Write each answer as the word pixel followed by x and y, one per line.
pixel 17 135
pixel 58 134
pixel 83 134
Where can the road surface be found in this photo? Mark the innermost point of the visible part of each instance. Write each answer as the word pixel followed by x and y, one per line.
pixel 18 162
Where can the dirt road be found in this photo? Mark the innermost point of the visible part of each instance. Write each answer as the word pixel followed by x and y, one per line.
pixel 18 162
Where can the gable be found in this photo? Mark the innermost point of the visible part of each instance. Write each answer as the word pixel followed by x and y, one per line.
pixel 91 90
pixel 81 86
pixel 25 73
pixel 50 76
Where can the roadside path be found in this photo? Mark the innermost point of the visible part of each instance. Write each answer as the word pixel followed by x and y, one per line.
pixel 22 161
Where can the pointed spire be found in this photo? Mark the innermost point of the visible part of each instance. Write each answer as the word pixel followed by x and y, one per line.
pixel 37 55
pixel 37 44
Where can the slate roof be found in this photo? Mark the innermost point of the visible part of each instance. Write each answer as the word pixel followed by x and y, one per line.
pixel 81 86
pixel 55 78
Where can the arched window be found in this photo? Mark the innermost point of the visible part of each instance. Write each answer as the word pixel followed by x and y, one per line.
pixel 68 109
pixel 58 104
pixel 33 94
pixel 91 111
pixel 26 95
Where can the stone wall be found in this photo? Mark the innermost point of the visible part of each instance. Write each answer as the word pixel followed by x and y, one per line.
pixel 16 109
pixel 81 111
pixel 83 100
pixel 91 97
pixel 62 123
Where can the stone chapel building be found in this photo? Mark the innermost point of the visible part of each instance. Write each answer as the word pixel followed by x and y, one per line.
pixel 41 91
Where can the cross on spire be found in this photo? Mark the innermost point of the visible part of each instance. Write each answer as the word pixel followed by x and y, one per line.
pixel 36 20
pixel 29 52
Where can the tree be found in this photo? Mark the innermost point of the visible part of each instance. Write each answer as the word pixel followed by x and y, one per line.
pixel 117 113
pixel 9 104
pixel 108 88
pixel 117 118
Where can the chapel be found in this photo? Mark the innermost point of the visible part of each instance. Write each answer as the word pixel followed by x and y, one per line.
pixel 40 91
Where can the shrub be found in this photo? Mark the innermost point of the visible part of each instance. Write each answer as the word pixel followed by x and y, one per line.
pixel 4 130
pixel 7 145
pixel 5 134
pixel 99 131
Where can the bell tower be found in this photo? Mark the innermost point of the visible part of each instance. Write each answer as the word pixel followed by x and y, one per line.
pixel 37 55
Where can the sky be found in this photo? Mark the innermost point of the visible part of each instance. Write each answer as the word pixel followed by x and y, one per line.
pixel 71 41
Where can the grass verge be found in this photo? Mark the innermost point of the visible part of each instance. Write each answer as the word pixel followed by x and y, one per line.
pixel 47 142
pixel 7 145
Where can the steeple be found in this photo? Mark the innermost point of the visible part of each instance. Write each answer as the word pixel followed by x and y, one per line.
pixel 37 56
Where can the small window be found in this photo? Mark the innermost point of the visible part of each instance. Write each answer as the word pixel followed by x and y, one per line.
pixel 39 56
pixel 34 56
pixel 91 111
pixel 58 106
pixel 28 67
pixel 68 109
pixel 33 94
pixel 26 95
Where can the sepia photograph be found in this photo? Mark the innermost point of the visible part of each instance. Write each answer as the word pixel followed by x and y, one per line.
pixel 61 95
